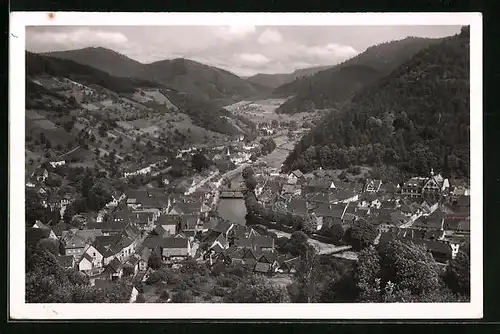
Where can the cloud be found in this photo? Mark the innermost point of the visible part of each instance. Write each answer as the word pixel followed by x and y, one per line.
pixel 253 58
pixel 235 32
pixel 330 52
pixel 241 49
pixel 270 36
pixel 76 38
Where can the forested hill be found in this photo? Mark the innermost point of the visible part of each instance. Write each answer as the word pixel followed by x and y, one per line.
pixel 197 79
pixel 329 88
pixel 279 79
pixel 103 59
pixel 203 113
pixel 415 119
pixel 40 64
pixel 382 59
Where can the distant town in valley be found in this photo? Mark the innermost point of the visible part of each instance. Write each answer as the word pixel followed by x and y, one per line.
pixel 180 182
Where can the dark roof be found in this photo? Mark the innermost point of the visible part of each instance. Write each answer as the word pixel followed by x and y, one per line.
pixel 319 184
pixel 222 227
pixel 457 223
pixel 174 243
pixel 262 267
pixel 262 241
pixel 87 257
pixel 297 206
pixel 330 210
pixel 168 220
pixel 115 226
pixel 243 243
pixel 298 173
pixel 115 265
pixel 188 222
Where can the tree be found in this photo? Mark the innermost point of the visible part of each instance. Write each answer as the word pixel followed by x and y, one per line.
pixel 306 277
pixel 457 276
pixel 68 126
pixel 200 162
pixel 69 213
pixel 361 234
pixel 368 271
pixel 251 182
pixel 49 245
pixel 103 130
pixel 183 296
pixel 298 244
pixel 335 232
pixel 257 290
pixel 154 261
pixel 247 171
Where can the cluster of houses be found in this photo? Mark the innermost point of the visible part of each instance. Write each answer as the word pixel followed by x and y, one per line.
pixel 171 227
pixel 428 210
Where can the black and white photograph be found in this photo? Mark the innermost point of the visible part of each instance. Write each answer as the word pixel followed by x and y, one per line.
pixel 323 163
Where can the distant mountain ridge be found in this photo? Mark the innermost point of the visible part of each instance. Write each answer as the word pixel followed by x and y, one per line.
pixel 414 119
pixel 279 79
pixel 197 79
pixel 102 59
pixel 203 113
pixel 382 58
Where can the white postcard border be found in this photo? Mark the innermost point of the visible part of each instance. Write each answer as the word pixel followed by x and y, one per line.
pixel 20 310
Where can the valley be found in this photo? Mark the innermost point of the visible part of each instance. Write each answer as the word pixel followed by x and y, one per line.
pixel 176 181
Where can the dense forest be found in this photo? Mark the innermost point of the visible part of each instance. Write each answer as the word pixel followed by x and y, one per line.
pixel 415 119
pixel 327 88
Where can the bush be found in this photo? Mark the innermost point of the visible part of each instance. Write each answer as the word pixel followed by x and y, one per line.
pixel 140 298
pixel 183 297
pixel 218 291
pixel 154 278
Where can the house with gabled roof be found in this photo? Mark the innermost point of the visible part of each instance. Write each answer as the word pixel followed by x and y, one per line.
pixel 372 186
pixel 263 243
pixel 295 176
pixel 456 225
pixel 113 270
pixel 40 174
pixel 75 242
pixel 85 263
pixel 174 249
pixel 95 258
pixel 413 187
pixel 40 225
pixel 319 185
pixel 189 224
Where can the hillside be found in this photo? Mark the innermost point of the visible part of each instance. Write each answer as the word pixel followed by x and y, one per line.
pixel 71 105
pixel 382 58
pixel 37 64
pixel 415 119
pixel 278 79
pixel 197 79
pixel 203 81
pixel 102 59
pixel 329 88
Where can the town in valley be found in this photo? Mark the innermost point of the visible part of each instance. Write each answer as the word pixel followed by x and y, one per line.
pixel 176 181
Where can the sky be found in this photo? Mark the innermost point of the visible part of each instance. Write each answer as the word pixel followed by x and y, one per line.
pixel 243 50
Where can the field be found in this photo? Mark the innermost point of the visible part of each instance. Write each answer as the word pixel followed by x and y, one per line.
pixel 263 111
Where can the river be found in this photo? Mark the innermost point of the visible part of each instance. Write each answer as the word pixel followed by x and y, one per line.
pixel 233 210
